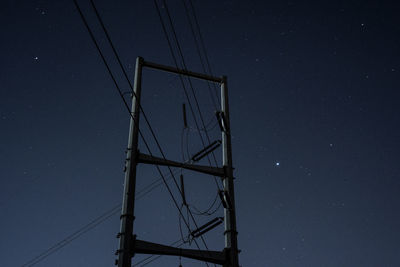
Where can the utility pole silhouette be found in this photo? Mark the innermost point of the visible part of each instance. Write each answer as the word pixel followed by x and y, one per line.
pixel 128 244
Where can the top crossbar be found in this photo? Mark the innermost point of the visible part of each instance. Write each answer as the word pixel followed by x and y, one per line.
pixel 183 72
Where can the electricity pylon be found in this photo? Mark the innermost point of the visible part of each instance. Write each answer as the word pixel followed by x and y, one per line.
pixel 128 244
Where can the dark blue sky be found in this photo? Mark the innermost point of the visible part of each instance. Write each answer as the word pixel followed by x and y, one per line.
pixel 314 115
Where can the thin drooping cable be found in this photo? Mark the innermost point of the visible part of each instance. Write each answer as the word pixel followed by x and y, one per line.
pixel 208 211
pixel 144 141
pixel 210 125
pixel 197 212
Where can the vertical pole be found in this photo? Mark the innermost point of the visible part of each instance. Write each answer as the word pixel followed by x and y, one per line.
pixel 229 213
pixel 128 204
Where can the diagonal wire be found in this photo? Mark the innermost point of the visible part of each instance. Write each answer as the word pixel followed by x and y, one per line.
pixel 182 82
pixel 202 43
pixel 84 229
pixel 200 56
pixel 144 141
pixel 108 214
pixel 190 83
pixel 126 77
pixel 188 78
pixel 175 61
pixel 144 115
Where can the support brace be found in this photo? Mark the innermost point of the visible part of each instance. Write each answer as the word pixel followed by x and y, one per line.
pixel 147 159
pixel 144 247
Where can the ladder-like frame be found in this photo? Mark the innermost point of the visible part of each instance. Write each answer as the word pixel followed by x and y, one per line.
pixel 128 244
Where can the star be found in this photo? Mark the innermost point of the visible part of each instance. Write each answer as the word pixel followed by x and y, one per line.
pixel 277 163
pixel 35 58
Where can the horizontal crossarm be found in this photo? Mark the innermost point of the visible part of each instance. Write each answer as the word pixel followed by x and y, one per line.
pixel 144 247
pixel 147 159
pixel 183 72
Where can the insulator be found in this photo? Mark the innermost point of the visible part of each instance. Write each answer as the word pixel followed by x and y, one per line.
pixel 184 115
pixel 221 120
pixel 207 227
pixel 221 196
pixel 207 150
pixel 183 190
pixel 218 115
pixel 225 199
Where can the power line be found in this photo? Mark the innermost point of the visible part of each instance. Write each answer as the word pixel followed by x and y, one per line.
pixel 181 79
pixel 123 69
pixel 206 211
pixel 108 214
pixel 185 67
pixel 144 141
pixel 163 26
pixel 127 79
pixel 202 43
pixel 189 80
pixel 115 209
pixel 199 54
pixel 89 226
pixel 118 89
pixel 194 119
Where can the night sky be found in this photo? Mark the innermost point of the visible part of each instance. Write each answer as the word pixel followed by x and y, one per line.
pixel 315 125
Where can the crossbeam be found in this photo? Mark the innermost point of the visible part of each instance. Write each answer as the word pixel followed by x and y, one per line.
pixel 145 247
pixel 147 159
pixel 197 75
